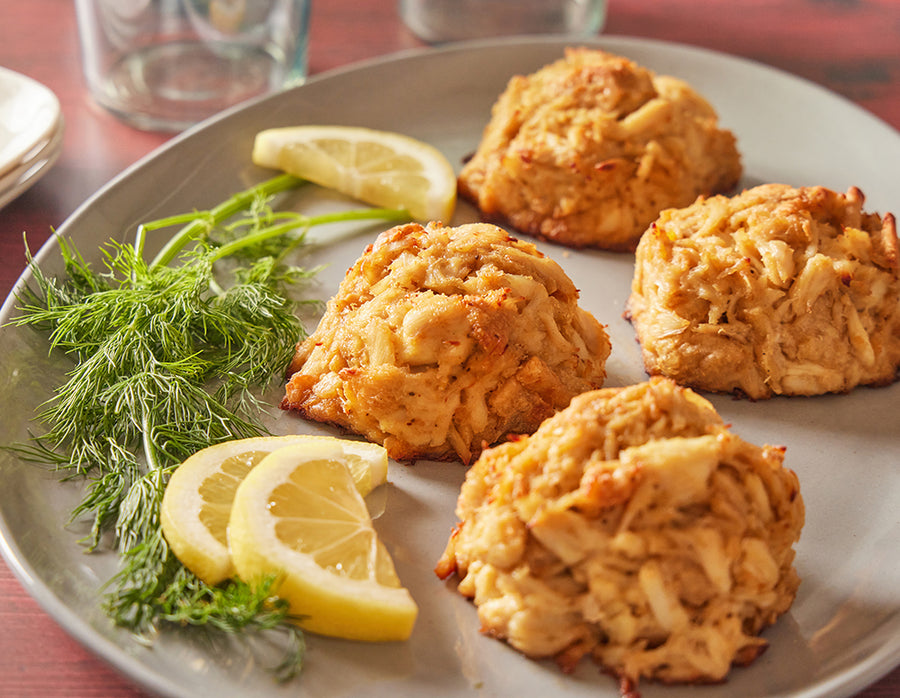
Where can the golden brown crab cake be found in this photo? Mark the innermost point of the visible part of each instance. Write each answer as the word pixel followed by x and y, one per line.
pixel 776 291
pixel 634 528
pixel 441 340
pixel 589 149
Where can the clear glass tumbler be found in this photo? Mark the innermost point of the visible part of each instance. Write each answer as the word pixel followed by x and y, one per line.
pixel 438 21
pixel 167 64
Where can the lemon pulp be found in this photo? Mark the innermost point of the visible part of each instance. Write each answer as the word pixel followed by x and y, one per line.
pixel 196 506
pixel 381 168
pixel 297 515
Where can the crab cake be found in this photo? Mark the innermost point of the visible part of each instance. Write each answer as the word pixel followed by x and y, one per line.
pixel 441 340
pixel 589 149
pixel 634 528
pixel 777 291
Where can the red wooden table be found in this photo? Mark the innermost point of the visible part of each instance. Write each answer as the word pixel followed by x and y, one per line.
pixel 850 47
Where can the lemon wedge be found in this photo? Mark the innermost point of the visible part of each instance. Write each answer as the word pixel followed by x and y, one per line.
pixel 380 168
pixel 196 505
pixel 298 515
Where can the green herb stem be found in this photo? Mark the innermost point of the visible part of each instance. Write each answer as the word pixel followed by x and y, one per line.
pixel 305 222
pixel 169 359
pixel 201 223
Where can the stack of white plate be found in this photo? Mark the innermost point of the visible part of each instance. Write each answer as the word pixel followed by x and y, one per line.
pixel 31 128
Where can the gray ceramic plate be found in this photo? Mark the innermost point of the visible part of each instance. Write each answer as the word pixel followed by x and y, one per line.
pixel 844 628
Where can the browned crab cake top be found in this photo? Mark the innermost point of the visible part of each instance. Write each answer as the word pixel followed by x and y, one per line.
pixel 632 527
pixel 442 339
pixel 776 291
pixel 589 149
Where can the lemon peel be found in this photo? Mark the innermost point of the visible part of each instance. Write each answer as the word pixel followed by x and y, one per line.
pixel 381 168
pixel 298 515
pixel 196 505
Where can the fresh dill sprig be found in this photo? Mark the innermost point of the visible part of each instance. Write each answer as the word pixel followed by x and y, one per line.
pixel 154 589
pixel 168 358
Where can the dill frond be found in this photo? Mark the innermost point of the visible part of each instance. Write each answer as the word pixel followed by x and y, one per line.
pixel 169 358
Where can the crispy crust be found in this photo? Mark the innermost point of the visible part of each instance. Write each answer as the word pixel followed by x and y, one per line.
pixel 776 291
pixel 589 149
pixel 632 527
pixel 441 340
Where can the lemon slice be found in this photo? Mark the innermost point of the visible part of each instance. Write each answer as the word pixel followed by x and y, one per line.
pixel 196 505
pixel 297 515
pixel 378 167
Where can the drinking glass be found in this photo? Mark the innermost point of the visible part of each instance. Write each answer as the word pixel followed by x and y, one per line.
pixel 167 64
pixel 439 21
